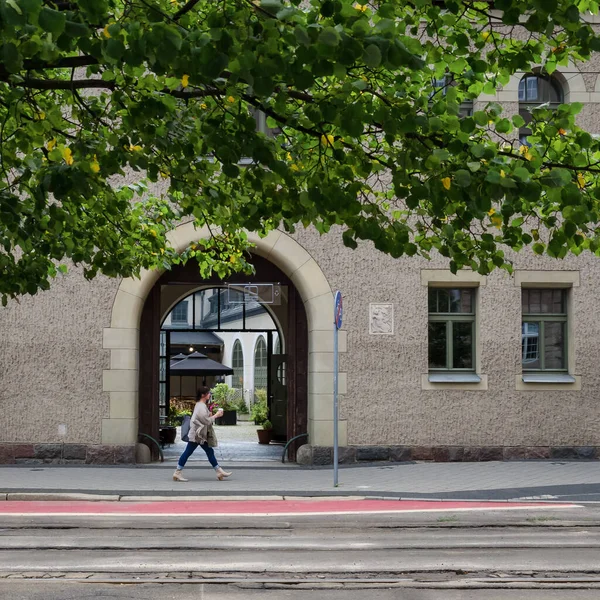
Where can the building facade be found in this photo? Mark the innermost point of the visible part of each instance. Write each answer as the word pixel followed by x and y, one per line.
pixel 433 366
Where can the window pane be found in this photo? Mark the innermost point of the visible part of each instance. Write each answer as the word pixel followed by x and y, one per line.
pixel 530 345
pixel 525 301
pixel 466 301
pixel 547 301
pixel 437 345
pixel 454 300
pixel 522 90
pixel 432 300
pixel 559 301
pixel 443 305
pixel 554 344
pixel 532 88
pixel 461 301
pixel 535 301
pixel 462 344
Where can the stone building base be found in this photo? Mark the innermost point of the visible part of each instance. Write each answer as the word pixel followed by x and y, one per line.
pixel 323 455
pixel 66 454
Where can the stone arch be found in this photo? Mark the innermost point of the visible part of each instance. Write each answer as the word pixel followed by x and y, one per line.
pixel 121 379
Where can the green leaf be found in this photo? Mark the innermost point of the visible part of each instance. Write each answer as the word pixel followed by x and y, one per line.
pixel 14 6
pixel 522 174
pixel 301 35
pixel 372 56
pixel 114 48
pixel 329 37
pixel 52 21
pixel 11 58
pixel 462 178
pixel 76 30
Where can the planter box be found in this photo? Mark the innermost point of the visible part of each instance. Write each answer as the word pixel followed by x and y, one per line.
pixel 264 435
pixel 229 418
pixel 167 434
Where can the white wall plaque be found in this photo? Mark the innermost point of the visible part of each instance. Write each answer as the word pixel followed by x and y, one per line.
pixel 381 319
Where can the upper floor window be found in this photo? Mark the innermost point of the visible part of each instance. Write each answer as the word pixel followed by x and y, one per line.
pixel 180 313
pixel 440 86
pixel 534 90
pixel 544 330
pixel 451 329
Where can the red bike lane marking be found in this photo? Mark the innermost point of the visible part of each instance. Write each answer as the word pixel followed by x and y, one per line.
pixel 257 507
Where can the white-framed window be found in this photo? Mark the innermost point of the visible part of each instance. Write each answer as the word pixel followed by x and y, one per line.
pixel 544 330
pixel 179 314
pixel 440 86
pixel 237 364
pixel 261 362
pixel 451 339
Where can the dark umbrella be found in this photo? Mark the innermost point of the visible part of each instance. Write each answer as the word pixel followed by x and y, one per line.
pixel 198 364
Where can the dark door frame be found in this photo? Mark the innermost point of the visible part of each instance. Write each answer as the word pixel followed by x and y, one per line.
pixel 296 344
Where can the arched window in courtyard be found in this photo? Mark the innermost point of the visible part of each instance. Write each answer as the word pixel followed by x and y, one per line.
pixel 260 365
pixel 237 364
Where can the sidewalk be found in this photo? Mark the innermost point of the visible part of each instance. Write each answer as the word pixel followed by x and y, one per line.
pixel 574 481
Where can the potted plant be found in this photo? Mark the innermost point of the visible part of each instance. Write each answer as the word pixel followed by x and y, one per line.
pixel 224 397
pixel 259 411
pixel 243 414
pixel 265 434
pixel 168 431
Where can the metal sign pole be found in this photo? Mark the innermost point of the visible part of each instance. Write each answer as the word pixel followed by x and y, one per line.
pixel 335 405
pixel 337 323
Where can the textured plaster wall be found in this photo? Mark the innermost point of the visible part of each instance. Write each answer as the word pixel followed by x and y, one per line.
pixel 385 404
pixel 51 362
pixel 52 359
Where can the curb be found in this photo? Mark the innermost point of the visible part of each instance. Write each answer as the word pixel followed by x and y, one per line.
pixel 294 496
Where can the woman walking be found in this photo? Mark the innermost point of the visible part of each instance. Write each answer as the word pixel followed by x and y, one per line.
pixel 201 434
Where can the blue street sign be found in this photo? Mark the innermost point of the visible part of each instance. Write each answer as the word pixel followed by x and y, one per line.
pixel 338 310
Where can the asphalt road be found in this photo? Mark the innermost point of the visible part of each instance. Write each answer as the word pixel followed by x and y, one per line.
pixel 526 555
pixel 77 591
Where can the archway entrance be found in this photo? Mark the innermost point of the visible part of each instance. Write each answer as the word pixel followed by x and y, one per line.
pixel 215 318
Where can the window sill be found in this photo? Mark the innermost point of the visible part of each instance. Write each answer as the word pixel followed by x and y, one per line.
pixel 547 382
pixel 548 378
pixel 454 378
pixel 454 381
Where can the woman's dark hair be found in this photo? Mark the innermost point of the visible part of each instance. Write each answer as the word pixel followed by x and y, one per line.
pixel 202 391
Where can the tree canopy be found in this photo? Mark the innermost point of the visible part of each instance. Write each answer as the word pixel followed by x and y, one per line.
pixel 104 102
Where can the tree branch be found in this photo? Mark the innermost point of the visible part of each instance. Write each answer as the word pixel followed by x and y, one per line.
pixel 69 62
pixel 185 9
pixel 64 84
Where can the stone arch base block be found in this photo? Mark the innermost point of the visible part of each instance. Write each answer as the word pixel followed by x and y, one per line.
pixel 323 455
pixel 66 454
pixel 120 381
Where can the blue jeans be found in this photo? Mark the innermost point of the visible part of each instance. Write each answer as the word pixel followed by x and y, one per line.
pixel 191 446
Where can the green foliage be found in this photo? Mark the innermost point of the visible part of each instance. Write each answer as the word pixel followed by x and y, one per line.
pixel 96 94
pixel 240 404
pixel 267 425
pixel 224 397
pixel 259 411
